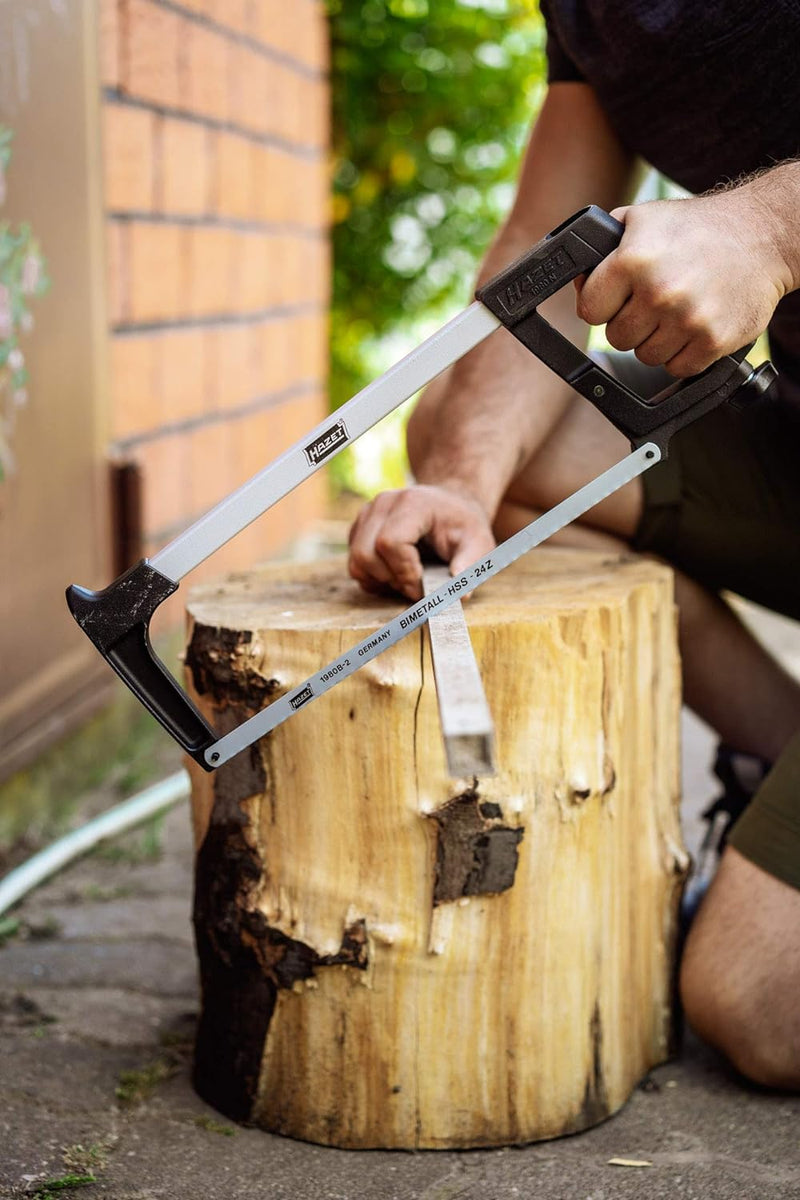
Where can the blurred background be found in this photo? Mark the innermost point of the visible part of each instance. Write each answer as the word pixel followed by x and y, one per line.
pixel 218 220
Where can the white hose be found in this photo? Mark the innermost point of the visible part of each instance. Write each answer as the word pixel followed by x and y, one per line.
pixel 124 816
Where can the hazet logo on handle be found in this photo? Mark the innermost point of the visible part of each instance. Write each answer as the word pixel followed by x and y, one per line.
pixel 529 284
pixel 326 443
pixel 302 697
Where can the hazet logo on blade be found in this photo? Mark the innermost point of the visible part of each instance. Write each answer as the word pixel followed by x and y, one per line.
pixel 326 443
pixel 302 697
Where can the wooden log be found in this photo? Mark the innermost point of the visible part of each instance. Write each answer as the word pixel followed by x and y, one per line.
pixel 389 960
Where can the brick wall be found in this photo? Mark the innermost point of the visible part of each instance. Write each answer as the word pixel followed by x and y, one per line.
pixel 215 133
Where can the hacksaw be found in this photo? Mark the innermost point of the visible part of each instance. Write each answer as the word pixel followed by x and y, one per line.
pixel 117 618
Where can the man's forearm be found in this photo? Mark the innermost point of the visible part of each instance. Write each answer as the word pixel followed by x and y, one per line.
pixel 775 195
pixel 488 417
pixel 475 430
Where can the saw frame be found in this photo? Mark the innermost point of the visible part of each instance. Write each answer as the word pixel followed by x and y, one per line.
pixel 117 618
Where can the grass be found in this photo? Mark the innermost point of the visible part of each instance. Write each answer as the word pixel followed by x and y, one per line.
pixel 86 1159
pixel 135 1087
pixel 204 1122
pixel 48 1189
pixel 119 751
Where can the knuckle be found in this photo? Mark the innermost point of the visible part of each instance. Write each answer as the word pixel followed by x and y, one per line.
pixel 634 258
pixel 385 543
pixel 651 356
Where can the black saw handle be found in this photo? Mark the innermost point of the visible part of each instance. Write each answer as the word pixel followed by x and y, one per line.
pixel 575 248
pixel 117 618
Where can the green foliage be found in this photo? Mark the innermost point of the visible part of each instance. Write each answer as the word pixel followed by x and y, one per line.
pixel 432 100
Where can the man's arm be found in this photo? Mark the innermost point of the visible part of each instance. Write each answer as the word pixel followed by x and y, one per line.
pixel 478 424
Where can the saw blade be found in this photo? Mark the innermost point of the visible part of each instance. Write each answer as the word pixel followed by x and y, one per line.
pixel 453 590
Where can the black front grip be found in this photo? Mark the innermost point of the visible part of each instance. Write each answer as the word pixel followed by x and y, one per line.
pixel 117 620
pixel 575 248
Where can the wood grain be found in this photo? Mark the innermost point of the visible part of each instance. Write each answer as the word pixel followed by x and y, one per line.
pixel 385 962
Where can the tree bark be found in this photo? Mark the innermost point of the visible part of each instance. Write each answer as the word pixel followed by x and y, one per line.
pixel 389 959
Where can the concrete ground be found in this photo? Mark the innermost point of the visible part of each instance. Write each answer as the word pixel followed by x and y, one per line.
pixel 104 983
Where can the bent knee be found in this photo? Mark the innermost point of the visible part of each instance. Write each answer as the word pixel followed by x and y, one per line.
pixel 741 973
pixel 740 1026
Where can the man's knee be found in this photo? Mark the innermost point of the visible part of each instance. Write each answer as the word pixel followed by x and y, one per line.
pixel 740 973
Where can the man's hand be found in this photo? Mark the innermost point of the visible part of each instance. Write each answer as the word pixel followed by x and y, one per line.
pixel 691 280
pixel 383 539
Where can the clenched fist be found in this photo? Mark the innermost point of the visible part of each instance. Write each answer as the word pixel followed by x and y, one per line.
pixel 690 281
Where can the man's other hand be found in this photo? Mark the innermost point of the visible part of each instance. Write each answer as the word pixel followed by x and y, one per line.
pixel 384 537
pixel 690 281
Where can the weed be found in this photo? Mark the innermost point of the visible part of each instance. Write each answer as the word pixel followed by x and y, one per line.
pixel 87 1159
pixel 135 1087
pixel 9 926
pixel 48 1189
pixel 204 1122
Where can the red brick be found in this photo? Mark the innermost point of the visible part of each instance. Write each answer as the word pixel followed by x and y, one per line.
pixel 206 88
pixel 275 191
pixel 109 43
pixel 211 470
pixel 135 400
pixel 117 271
pixel 152 56
pixel 281 98
pixel 213 261
pixel 308 118
pixel 234 14
pixel 257 274
pixel 166 485
pixel 310 190
pixel 234 190
pixel 128 158
pixel 275 357
pixel 234 363
pixel 308 347
pixel 158 271
pixel 258 439
pixel 182 362
pixel 298 30
pixel 282 26
pixel 186 168
pixel 253 91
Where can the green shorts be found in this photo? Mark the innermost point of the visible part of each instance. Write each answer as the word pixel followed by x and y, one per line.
pixel 724 508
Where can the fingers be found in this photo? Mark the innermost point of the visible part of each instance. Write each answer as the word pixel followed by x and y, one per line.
pixel 383 539
pixel 378 562
pixel 605 292
pixel 651 295
pixel 474 546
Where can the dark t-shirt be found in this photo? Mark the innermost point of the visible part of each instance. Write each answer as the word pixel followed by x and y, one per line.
pixel 705 91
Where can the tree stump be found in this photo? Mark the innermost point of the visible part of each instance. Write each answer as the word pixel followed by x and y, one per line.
pixel 390 958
